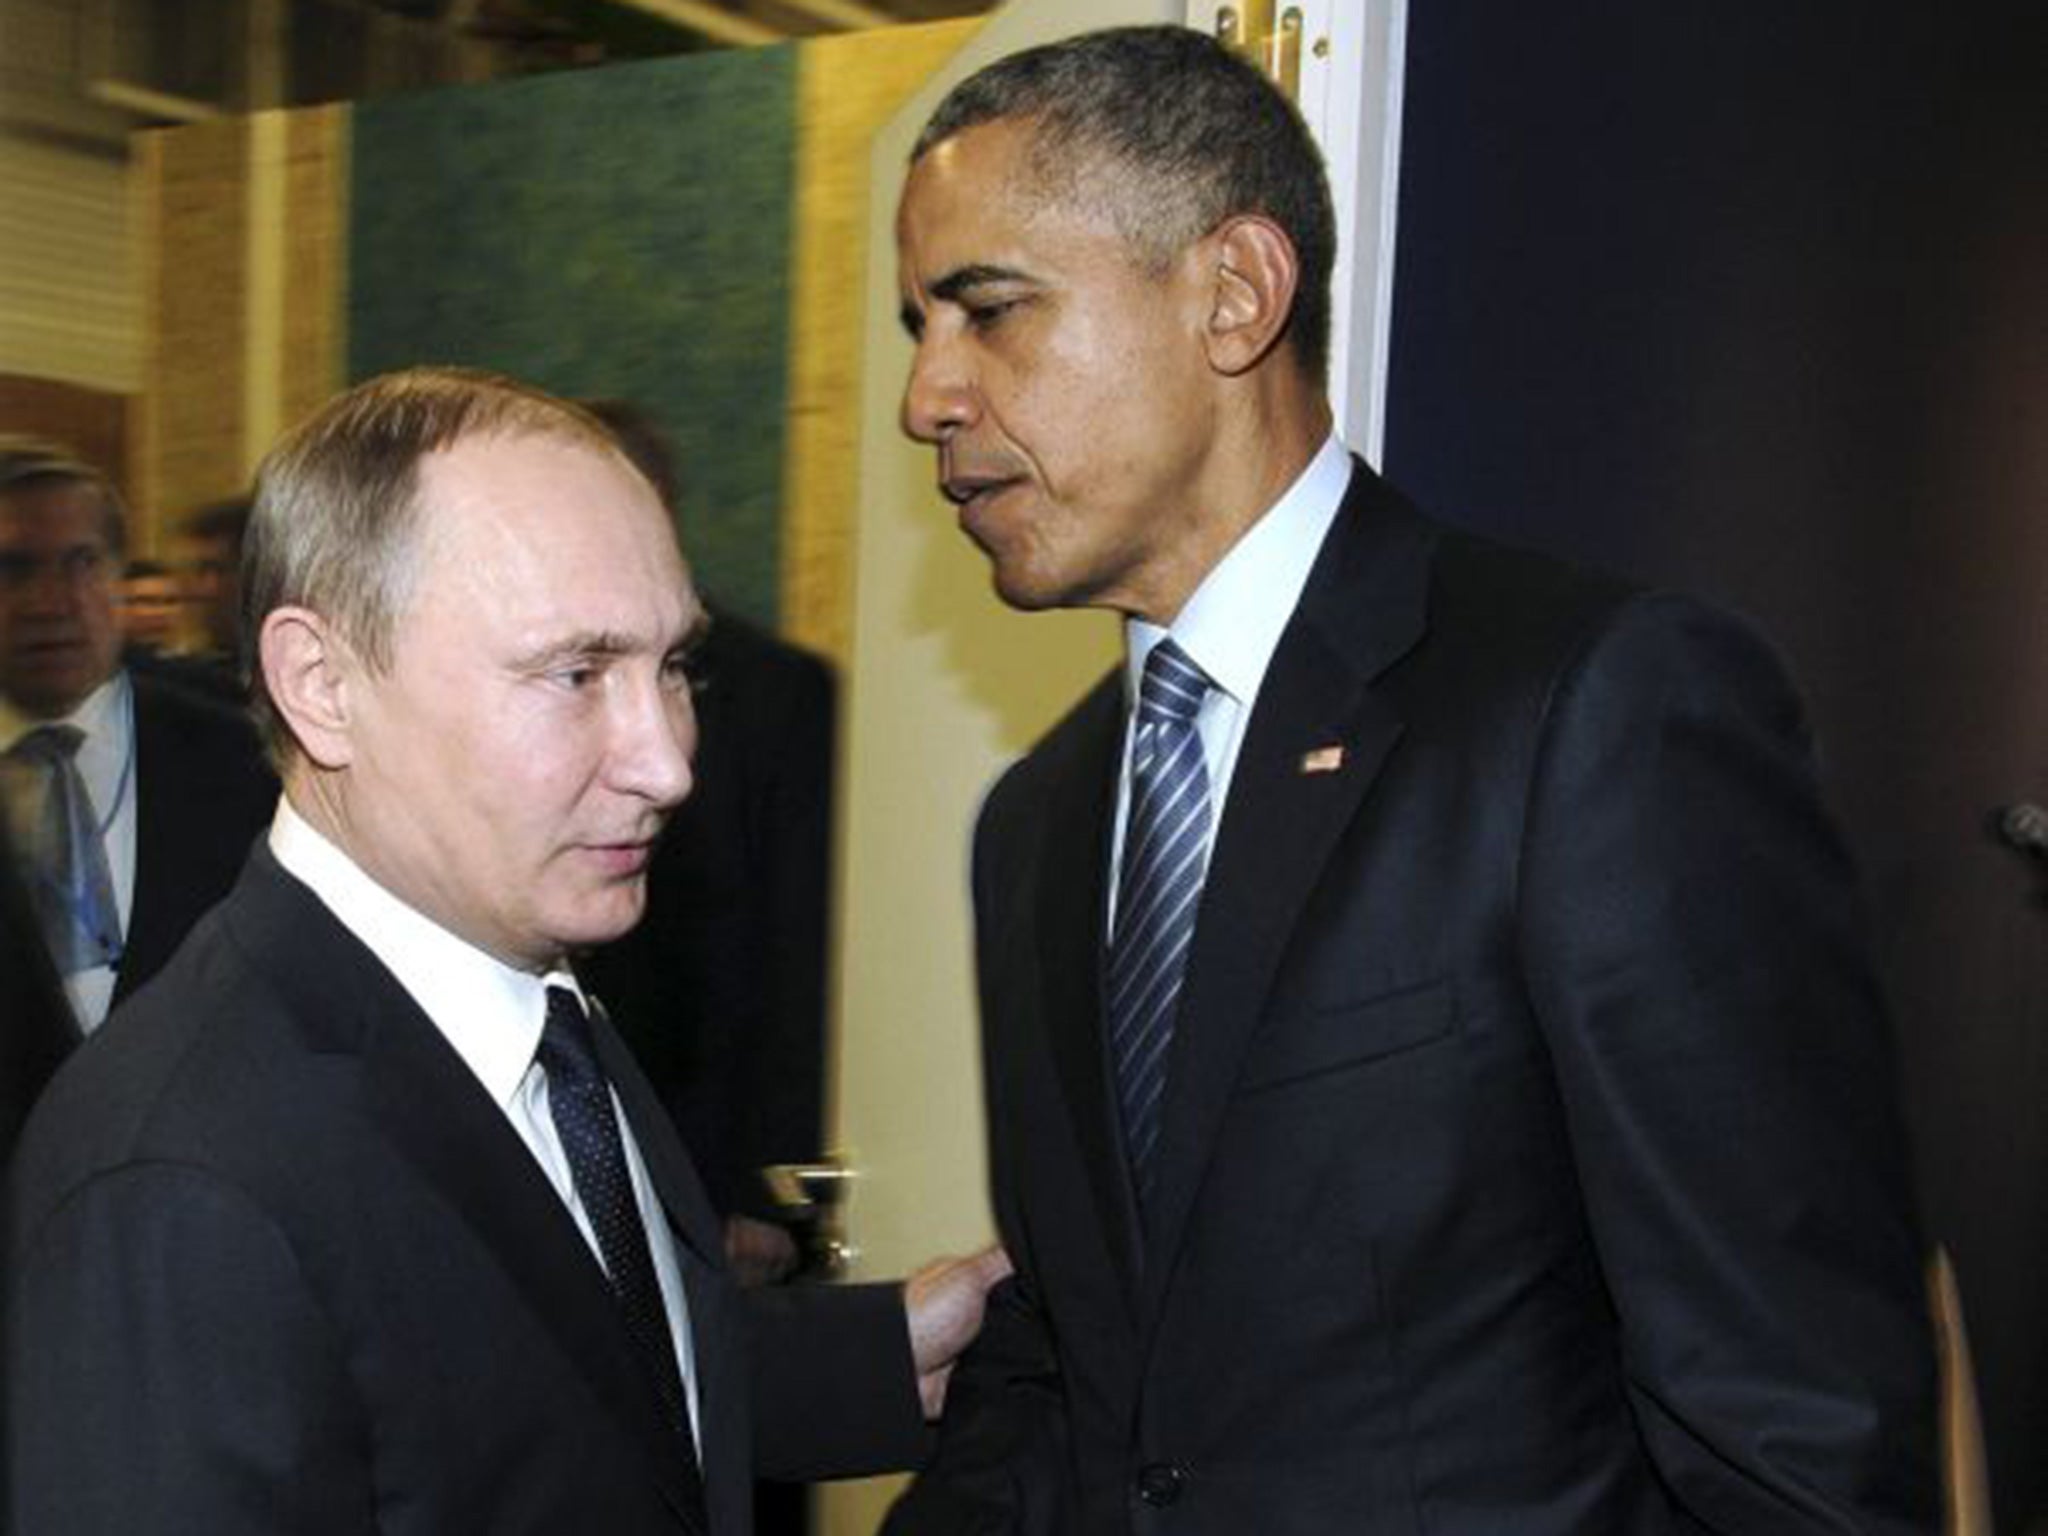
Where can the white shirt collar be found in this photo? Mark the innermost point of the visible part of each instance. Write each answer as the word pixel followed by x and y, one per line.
pixel 1232 624
pixel 491 1013
pixel 99 713
pixel 105 759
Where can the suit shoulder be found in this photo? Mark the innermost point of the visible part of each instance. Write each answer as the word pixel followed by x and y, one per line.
pixel 746 649
pixel 210 741
pixel 171 706
pixel 186 1070
pixel 1550 612
pixel 759 691
pixel 1522 588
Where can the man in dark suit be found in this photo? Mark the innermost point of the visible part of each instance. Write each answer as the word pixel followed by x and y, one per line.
pixel 721 988
pixel 40 1031
pixel 173 784
pixel 213 535
pixel 1434 1077
pixel 361 1218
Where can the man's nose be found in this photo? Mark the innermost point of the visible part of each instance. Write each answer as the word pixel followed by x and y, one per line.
pixel 655 739
pixel 938 398
pixel 49 587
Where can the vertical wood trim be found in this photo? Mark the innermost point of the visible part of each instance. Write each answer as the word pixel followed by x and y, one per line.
pixel 316 260
pixel 194 394
pixel 846 88
pixel 145 419
pixel 267 220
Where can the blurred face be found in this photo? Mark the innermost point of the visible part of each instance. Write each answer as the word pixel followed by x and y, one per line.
pixel 150 608
pixel 1063 385
pixel 215 586
pixel 509 774
pixel 60 635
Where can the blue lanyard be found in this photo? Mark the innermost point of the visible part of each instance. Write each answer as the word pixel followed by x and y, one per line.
pixel 112 945
pixel 127 766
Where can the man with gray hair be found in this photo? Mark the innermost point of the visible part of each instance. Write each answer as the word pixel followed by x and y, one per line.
pixel 361 1219
pixel 134 801
pixel 1435 1078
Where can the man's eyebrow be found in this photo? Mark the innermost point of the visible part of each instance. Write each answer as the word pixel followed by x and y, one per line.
pixel 955 286
pixel 585 645
pixel 976 275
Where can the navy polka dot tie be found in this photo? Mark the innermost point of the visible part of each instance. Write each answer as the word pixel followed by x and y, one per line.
pixel 580 1099
pixel 1159 885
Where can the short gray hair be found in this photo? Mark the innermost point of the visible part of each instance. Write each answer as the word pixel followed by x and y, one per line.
pixel 26 461
pixel 1192 135
pixel 337 513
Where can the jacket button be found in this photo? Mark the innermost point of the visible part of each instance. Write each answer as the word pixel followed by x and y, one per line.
pixel 1160 1483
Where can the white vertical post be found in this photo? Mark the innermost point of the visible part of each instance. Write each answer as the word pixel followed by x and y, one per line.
pixel 1351 55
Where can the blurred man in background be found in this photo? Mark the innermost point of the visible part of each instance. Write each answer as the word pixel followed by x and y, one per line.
pixel 133 800
pixel 152 607
pixel 722 988
pixel 213 581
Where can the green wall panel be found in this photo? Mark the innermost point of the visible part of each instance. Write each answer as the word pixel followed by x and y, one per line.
pixel 618 231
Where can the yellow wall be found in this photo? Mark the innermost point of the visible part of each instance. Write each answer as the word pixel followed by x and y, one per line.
pixel 846 87
pixel 947 687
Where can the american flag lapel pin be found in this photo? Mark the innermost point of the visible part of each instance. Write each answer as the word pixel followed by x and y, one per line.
pixel 1322 760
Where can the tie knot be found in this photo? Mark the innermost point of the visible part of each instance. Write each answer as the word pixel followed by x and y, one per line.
pixel 565 1040
pixel 1173 686
pixel 48 745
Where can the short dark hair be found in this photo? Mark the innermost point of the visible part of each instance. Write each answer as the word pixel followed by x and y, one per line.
pixel 1196 133
pixel 226 520
pixel 643 441
pixel 39 461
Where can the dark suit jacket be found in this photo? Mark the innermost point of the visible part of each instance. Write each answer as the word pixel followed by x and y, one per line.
pixel 721 989
pixel 203 793
pixel 1529 1159
pixel 39 1030
pixel 280 1264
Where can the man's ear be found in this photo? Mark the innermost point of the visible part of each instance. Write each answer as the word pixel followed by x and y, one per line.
pixel 306 671
pixel 1254 274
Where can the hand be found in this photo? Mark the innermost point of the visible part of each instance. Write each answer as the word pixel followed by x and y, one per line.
pixel 945 1300
pixel 759 1252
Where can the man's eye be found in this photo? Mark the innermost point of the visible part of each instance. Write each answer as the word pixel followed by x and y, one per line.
pixel 676 674
pixel 575 678
pixel 82 562
pixel 989 315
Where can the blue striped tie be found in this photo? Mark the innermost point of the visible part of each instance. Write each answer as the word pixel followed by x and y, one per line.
pixel 1159 885
pixel 74 893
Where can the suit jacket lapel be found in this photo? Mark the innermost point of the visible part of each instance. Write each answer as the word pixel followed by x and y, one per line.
pixel 159 821
pixel 441 1120
pixel 1362 609
pixel 724 1439
pixel 1070 919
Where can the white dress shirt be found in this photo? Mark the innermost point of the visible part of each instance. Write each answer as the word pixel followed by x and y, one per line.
pixel 1231 626
pixel 493 1016
pixel 106 764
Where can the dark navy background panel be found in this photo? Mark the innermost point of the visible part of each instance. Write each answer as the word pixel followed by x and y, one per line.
pixel 1753 299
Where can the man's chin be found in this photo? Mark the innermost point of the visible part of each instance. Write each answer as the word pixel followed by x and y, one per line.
pixel 1027 591
pixel 609 916
pixel 49 697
